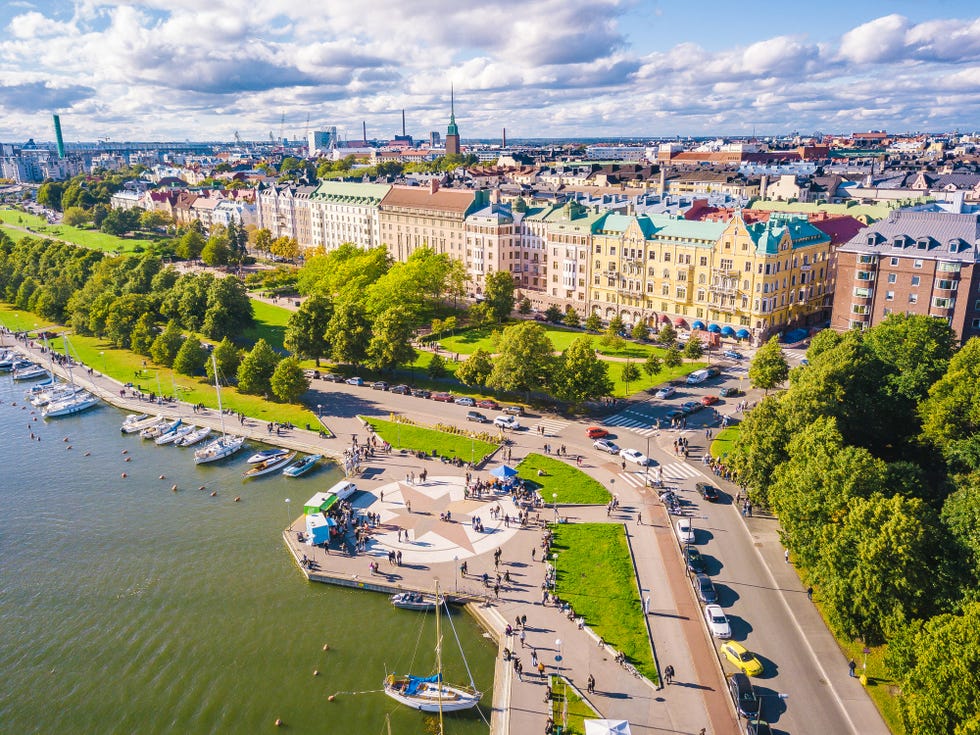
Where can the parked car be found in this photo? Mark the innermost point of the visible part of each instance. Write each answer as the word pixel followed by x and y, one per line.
pixel 685 531
pixel 476 416
pixel 634 456
pixel 333 378
pixel 705 588
pixel 596 432
pixel 487 403
pixel 713 371
pixel 730 391
pixel 666 392
pixel 717 622
pixel 674 413
pixel 443 397
pixel 738 655
pixel 693 559
pixel 709 400
pixel 733 355
pixel 421 393
pixel 465 401
pixel 354 381
pixel 604 445
pixel 743 695
pixel 689 407
pixel 698 376
pixel 507 422
pixel 379 385
pixel 708 492
pixel 513 410
pixel 401 389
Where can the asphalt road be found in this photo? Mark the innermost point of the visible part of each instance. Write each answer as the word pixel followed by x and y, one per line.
pixel 753 601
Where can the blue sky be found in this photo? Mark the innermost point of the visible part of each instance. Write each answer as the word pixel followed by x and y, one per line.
pixel 183 69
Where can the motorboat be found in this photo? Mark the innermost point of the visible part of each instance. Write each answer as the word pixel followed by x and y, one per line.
pixel 7 360
pixel 159 429
pixel 16 362
pixel 195 437
pixel 141 422
pixel 172 436
pixel 31 372
pixel 267 454
pixel 80 401
pixel 54 393
pixel 269 466
pixel 303 466
pixel 415 601
pixel 41 387
pixel 133 418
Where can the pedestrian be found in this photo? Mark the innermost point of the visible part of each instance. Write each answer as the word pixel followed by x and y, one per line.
pixel 786 556
pixel 533 552
pixel 624 465
pixel 809 593
pixel 851 667
pixel 639 519
pixel 496 591
pixel 534 658
pixel 591 684
pixel 522 637
pixel 669 674
pixel 646 605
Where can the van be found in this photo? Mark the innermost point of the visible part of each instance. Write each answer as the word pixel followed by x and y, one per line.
pixel 698 376
pixel 343 489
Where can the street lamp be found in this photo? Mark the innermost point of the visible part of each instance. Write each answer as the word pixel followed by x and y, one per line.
pixel 289 520
pixel 103 361
pixel 646 477
pixel 456 571
pixel 554 503
pixel 558 661
pixel 762 698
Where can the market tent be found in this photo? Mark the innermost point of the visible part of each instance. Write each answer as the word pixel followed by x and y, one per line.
pixel 504 472
pixel 680 322
pixel 714 328
pixel 698 324
pixel 727 331
pixel 607 727
pixel 318 528
pixel 742 334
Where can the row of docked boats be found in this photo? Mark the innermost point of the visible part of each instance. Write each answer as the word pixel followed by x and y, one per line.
pixel 51 396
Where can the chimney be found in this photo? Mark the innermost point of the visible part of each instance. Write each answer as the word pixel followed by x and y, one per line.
pixel 364 130
pixel 403 121
pixel 763 186
pixel 503 139
pixel 433 185
pixel 663 181
pixel 495 196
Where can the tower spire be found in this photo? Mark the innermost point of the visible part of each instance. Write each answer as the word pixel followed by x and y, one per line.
pixel 452 103
pixel 452 132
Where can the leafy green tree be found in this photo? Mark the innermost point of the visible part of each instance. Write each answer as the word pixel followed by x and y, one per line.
pixel 75 217
pixel 216 251
pixel 307 328
pixel 525 359
pixel 480 314
pixel 579 374
pixel 437 367
pixel 524 307
pixel 553 314
pixel 653 365
pixel 499 293
pixel 391 341
pixel 475 369
pixel 228 357
pixel 190 245
pixel 673 358
pixel 951 413
pixel 349 332
pixel 142 336
pixel 347 270
pixel 229 309
pixel 288 381
pixel 639 331
pixel 611 340
pixel 260 239
pixel 285 247
pixel 571 318
pixel 630 374
pixel 761 447
pixel 593 323
pixel 49 194
pixel 693 350
pixel 153 219
pixel 255 371
pixel 916 348
pixel 190 358
pixel 165 347
pixel 122 317
pixel 667 334
pixel 769 368
pixel 961 515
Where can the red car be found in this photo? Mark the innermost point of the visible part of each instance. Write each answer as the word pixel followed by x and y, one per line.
pixel 487 403
pixel 596 432
pixel 444 397
pixel 708 400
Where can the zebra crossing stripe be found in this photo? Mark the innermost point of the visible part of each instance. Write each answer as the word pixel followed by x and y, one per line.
pixel 631 479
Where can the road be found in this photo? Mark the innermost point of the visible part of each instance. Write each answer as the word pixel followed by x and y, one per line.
pixel 760 592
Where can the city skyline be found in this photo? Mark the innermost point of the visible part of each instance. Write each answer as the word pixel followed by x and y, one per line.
pixel 603 68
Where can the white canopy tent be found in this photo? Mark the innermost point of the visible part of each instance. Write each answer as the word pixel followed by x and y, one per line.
pixel 607 727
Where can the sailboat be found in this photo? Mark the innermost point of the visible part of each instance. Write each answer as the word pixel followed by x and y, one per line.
pixel 224 445
pixel 76 401
pixel 431 693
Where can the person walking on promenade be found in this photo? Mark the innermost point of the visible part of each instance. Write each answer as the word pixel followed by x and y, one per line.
pixel 669 674
pixel 851 667
pixel 523 637
pixel 809 593
pixel 590 687
pixel 786 555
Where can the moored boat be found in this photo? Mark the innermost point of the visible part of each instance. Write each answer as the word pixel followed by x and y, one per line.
pixel 267 454
pixel 140 424
pixel 194 437
pixel 172 436
pixel 415 601
pixel 159 429
pixel 269 466
pixel 80 401
pixel 303 466
pixel 133 418
pixel 31 372
pixel 225 445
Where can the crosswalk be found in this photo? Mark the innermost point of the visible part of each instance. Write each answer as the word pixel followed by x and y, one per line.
pixel 795 354
pixel 638 423
pixel 673 472
pixel 552 427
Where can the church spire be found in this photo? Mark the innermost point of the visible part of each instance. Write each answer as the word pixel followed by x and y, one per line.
pixel 452 132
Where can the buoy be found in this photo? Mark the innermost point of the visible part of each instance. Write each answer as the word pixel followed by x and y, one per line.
pixel 87 454
pixel 65 439
pixel 201 488
pixel 124 475
pixel 214 493
pixel 125 451
pixel 68 448
pixel 331 697
pixel 326 646
pixel 129 459
pixel 278 722
pixel 237 498
pixel 316 672
pixel 174 488
pixel 163 477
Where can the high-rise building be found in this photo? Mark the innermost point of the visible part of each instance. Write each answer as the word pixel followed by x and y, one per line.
pixel 452 132
pixel 321 140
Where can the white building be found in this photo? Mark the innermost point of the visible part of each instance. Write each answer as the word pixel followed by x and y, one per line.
pixel 345 213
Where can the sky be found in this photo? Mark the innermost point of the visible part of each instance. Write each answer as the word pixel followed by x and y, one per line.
pixel 191 70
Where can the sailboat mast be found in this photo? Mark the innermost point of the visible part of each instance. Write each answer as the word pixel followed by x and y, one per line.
pixel 217 389
pixel 439 654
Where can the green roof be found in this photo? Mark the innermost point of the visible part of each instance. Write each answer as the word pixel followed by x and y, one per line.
pixel 768 235
pixel 342 192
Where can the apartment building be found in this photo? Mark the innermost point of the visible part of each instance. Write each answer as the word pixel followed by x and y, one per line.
pixel 411 217
pixel 911 263
pixel 284 210
pixel 346 213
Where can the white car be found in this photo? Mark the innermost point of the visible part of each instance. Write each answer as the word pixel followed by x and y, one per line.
pixel 507 422
pixel 717 622
pixel 632 455
pixel 464 401
pixel 685 531
pixel 604 445
pixel 666 392
pixel 354 381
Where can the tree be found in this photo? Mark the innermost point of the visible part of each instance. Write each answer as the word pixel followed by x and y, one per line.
pixel 260 239
pixel 141 338
pixel 76 216
pixel 951 413
pixel 165 347
pixel 216 251
pixel 307 328
pixel 288 381
pixel 190 245
pixel 667 334
pixel 593 323
pixel 553 314
pixel 480 314
pixel 639 331
pixel 916 348
pixel 437 367
pixel 961 515
pixel 571 318
pixel 285 247
pixel 611 340
pixel 525 359
pixel 499 293
pixel 476 369
pixel 255 371
pixel 153 219
pixel 630 374
pixel 524 308
pixel 653 365
pixel 49 194
pixel 761 447
pixel 769 367
pixel 693 350
pixel 190 358
pixel 391 342
pixel 229 309
pixel 673 358
pixel 579 374
pixel 349 332
pixel 122 317
pixel 228 357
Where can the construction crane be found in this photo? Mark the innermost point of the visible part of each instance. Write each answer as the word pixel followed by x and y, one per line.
pixel 282 125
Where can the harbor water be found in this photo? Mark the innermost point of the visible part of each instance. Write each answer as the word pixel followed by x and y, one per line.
pixel 128 607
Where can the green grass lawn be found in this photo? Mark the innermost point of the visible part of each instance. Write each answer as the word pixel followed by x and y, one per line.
pixel 15 235
pixel 578 710
pixel 21 219
pixel 420 438
pixel 595 575
pixel 569 483
pixel 724 441
pixel 646 382
pixel 470 340
pixel 270 325
pixel 80 236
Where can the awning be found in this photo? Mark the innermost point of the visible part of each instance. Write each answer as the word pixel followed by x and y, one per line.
pixel 698 324
pixel 680 322
pixel 714 328
pixel 742 334
pixel 503 472
pixel 664 318
pixel 727 331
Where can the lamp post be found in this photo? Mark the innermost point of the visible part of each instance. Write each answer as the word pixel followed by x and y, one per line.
pixel 554 504
pixel 646 474
pixel 762 698
pixel 456 571
pixel 289 520
pixel 558 661
pixel 102 352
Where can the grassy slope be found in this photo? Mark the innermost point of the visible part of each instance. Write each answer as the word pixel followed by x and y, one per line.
pixel 561 478
pixel 419 438
pixel 86 238
pixel 595 575
pixel 270 325
pixel 724 441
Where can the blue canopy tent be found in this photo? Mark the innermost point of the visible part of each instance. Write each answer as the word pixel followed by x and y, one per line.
pixel 796 335
pixel 727 331
pixel 504 472
pixel 714 328
pixel 698 324
pixel 742 334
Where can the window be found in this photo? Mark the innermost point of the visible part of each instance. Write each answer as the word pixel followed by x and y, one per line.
pixel 726 264
pixel 915 280
pixel 889 295
pixel 913 298
pixel 942 303
pixel 975 324
pixel 892 277
pixel 916 263
pixel 666 257
pixel 665 291
pixel 681 293
pixel 703 261
pixel 862 293
pixel 612 250
pixel 894 261
pixel 946 285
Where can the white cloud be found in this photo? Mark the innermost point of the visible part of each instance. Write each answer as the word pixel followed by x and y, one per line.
pixel 882 39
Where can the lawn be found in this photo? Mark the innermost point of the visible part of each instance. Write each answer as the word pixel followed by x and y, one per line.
pixel 578 710
pixel 85 237
pixel 470 340
pixel 270 325
pixel 646 382
pixel 571 485
pixel 21 219
pixel 724 442
pixel 595 575
pixel 15 235
pixel 420 438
